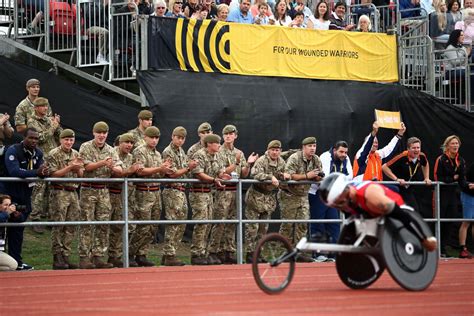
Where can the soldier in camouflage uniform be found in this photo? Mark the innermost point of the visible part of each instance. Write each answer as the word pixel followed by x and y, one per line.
pixel 210 172
pixel 174 197
pixel 6 131
pixel 25 108
pixel 301 166
pixel 222 241
pixel 123 150
pixel 49 130
pixel 203 130
pixel 100 161
pixel 260 199
pixel 145 119
pixel 64 162
pixel 147 195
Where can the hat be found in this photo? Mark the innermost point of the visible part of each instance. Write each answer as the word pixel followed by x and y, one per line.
pixel 100 127
pixel 180 131
pixel 152 131
pixel 229 129
pixel 40 101
pixel 67 133
pixel 204 127
pixel 32 82
pixel 145 115
pixel 212 138
pixel 274 144
pixel 309 140
pixel 127 137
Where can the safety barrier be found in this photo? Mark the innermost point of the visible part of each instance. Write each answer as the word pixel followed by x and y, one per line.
pixel 6 15
pixel 239 221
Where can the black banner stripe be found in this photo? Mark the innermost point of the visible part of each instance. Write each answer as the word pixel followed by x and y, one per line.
pixel 195 47
pixel 221 32
pixel 184 30
pixel 207 46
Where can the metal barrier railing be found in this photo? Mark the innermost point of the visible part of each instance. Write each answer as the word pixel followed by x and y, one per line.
pixel 60 26
pixel 239 221
pixel 415 62
pixel 356 10
pixel 28 17
pixel 6 15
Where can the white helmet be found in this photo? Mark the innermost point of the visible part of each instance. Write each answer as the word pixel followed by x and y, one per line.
pixel 332 187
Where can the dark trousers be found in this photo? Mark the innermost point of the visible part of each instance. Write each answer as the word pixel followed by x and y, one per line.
pixel 15 234
pixel 449 208
pixel 319 210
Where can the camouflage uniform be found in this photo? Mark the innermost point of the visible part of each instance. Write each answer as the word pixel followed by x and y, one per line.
pixel 4 127
pixel 64 201
pixel 174 201
pixel 116 196
pixel 95 200
pixel 294 198
pixel 194 148
pixel 25 110
pixel 201 200
pixel 148 201
pixel 261 199
pixel 139 137
pixel 48 139
pixel 223 235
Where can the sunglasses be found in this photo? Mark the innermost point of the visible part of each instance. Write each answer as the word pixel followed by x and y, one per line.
pixel 178 2
pixel 160 7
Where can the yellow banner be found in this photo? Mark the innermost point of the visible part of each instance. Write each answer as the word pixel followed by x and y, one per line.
pixel 285 52
pixel 388 119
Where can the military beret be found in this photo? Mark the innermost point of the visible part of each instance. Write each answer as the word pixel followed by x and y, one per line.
pixel 40 101
pixel 229 129
pixel 127 137
pixel 32 82
pixel 152 131
pixel 67 133
pixel 100 127
pixel 145 115
pixel 212 138
pixel 204 127
pixel 274 144
pixel 309 140
pixel 180 131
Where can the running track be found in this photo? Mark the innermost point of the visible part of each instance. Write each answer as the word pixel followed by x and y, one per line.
pixel 228 290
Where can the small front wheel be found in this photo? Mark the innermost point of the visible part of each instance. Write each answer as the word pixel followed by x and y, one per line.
pixel 273 263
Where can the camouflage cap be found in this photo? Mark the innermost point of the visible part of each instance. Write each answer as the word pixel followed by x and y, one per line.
pixel 127 137
pixel 67 133
pixel 41 102
pixel 180 131
pixel 309 140
pixel 204 127
pixel 152 131
pixel 100 127
pixel 32 82
pixel 212 138
pixel 274 144
pixel 229 129
pixel 145 115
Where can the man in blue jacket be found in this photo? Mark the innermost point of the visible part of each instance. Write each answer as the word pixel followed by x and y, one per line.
pixel 22 160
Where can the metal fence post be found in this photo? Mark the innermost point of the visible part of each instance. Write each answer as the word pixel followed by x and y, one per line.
pixel 125 225
pixel 240 225
pixel 437 214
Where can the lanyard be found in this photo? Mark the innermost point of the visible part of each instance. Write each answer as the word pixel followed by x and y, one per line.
pixel 413 172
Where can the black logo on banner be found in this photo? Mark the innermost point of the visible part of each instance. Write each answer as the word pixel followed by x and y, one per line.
pixel 202 46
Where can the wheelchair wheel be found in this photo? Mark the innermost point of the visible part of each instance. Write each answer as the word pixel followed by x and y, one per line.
pixel 358 271
pixel 272 272
pixel 408 262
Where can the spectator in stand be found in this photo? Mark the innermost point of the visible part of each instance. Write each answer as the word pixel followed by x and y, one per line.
pixel 190 7
pixel 175 9
pixel 428 7
pixel 145 7
pixel 298 20
pixel 364 24
pixel 160 8
pixel 449 168
pixel 6 131
pixel 439 26
pixel 454 10
pixel 262 17
pixel 364 8
pixel 241 15
pixel 281 16
pixel 96 20
pixel 467 25
pixel 211 9
pixel 467 199
pixel 369 158
pixel 22 160
pixel 320 20
pixel 26 108
pixel 255 8
pixel 222 12
pixel 201 14
pixel 410 165
pixel 468 4
pixel 300 6
pixel 7 263
pixel 409 8
pixel 338 18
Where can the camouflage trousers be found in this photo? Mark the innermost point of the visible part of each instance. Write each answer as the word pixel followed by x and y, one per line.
pixel 95 205
pixel 176 208
pixel 116 231
pixel 148 207
pixel 39 201
pixel 258 206
pixel 223 235
pixel 293 207
pixel 202 205
pixel 64 207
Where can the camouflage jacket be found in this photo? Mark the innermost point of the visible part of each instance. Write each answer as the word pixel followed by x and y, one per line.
pixel 208 164
pixel 25 110
pixel 264 169
pixel 59 159
pixel 89 152
pixel 227 157
pixel 48 134
pixel 299 164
